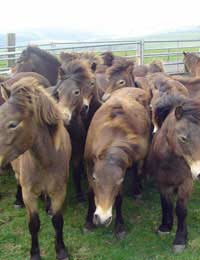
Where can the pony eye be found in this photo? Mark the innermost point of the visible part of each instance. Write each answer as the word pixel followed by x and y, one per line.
pixel 183 138
pixel 77 92
pixel 12 125
pixel 56 95
pixel 121 82
pixel 94 178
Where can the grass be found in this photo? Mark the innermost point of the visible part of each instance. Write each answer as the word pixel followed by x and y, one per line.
pixel 140 243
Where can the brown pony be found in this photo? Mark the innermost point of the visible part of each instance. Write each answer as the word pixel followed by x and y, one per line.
pixel 192 84
pixel 118 137
pixel 120 75
pixel 192 63
pixel 34 59
pixel 174 160
pixel 153 67
pixel 164 86
pixel 34 139
pixel 7 84
pixel 67 56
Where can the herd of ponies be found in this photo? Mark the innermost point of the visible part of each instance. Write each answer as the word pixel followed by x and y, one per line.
pixel 102 115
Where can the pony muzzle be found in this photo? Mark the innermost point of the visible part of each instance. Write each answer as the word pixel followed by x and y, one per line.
pixel 1 161
pixel 105 96
pixel 195 169
pixel 86 105
pixel 67 114
pixel 102 217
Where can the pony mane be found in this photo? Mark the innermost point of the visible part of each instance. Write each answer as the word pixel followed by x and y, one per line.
pixel 156 66
pixel 31 49
pixel 191 110
pixel 165 105
pixel 91 57
pixel 77 70
pixel 192 56
pixel 28 94
pixel 119 67
pixel 67 56
pixel 108 58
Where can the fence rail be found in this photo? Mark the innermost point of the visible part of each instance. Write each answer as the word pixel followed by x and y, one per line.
pixel 170 52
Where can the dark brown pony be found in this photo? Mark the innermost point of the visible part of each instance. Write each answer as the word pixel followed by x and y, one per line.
pixel 118 137
pixel 174 160
pixel 120 75
pixel 34 59
pixel 192 63
pixel 75 93
pixel 34 139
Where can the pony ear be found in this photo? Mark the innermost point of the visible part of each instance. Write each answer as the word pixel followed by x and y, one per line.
pixel 130 68
pixel 178 112
pixel 184 53
pixel 61 72
pixel 5 92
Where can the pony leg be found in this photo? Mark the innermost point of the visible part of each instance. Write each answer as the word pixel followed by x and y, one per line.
pixel 89 225
pixel 184 192
pixel 119 221
pixel 167 215
pixel 137 186
pixel 30 201
pixel 57 201
pixel 78 169
pixel 19 203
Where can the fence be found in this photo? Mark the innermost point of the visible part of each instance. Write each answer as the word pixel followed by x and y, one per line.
pixel 170 52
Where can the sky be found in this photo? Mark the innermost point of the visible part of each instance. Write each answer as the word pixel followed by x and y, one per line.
pixel 114 17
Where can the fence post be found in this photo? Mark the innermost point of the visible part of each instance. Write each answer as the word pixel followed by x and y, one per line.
pixel 141 52
pixel 11 43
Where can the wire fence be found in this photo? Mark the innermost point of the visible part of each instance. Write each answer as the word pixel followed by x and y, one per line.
pixel 170 52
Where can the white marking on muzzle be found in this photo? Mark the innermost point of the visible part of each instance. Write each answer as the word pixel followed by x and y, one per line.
pixel 155 129
pixel 195 169
pixel 86 102
pixel 103 215
pixel 105 97
pixel 67 114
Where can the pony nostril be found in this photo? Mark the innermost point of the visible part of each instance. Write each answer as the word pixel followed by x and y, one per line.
pixel 96 219
pixel 198 176
pixel 108 221
pixel 85 108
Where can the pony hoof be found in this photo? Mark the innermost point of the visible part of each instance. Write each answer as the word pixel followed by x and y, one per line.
pixel 18 205
pixel 49 213
pixel 35 257
pixel 88 228
pixel 120 232
pixel 162 233
pixel 137 196
pixel 62 255
pixel 120 235
pixel 178 248
pixel 80 198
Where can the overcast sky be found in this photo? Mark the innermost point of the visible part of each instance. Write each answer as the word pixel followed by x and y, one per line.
pixel 116 17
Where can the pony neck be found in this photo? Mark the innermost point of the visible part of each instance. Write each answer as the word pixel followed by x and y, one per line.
pixel 43 149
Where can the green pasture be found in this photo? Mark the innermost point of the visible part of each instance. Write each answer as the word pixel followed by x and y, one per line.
pixel 140 243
